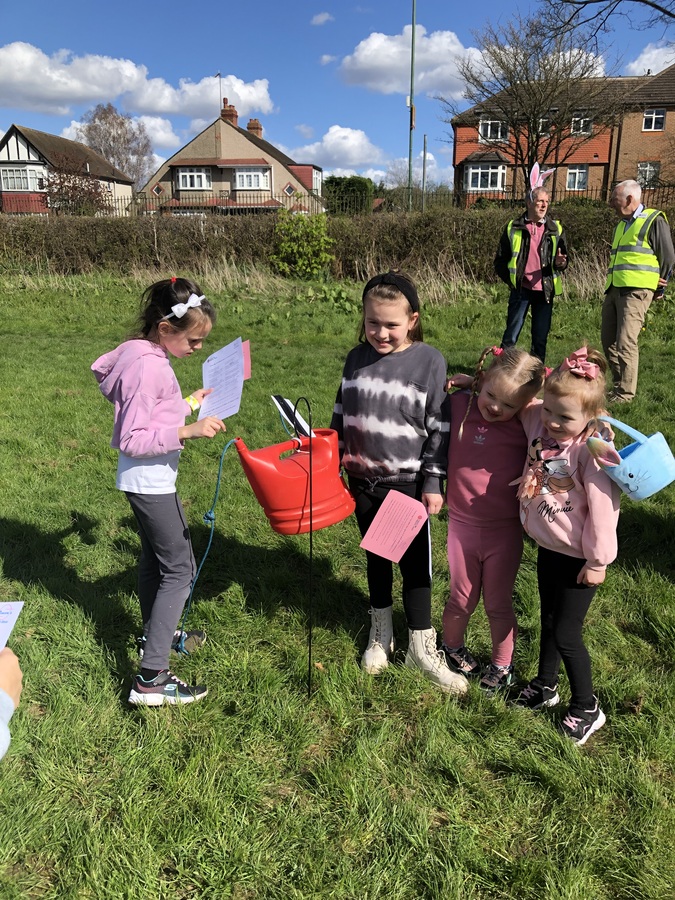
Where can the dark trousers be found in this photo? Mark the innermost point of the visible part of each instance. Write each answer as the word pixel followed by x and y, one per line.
pixel 564 605
pixel 415 564
pixel 520 300
pixel 165 571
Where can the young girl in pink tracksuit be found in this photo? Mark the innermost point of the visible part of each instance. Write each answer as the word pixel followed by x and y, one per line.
pixel 149 431
pixel 570 507
pixel 485 537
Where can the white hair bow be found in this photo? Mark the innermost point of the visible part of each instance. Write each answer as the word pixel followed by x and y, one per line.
pixel 180 309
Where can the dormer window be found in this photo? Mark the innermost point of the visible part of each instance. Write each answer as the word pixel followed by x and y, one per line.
pixel 492 131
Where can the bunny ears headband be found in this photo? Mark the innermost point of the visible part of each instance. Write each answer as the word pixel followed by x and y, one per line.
pixel 537 178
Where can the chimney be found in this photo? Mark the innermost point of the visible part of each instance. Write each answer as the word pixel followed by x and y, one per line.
pixel 255 127
pixel 229 113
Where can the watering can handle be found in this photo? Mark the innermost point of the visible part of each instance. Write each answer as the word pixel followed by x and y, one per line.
pixel 631 432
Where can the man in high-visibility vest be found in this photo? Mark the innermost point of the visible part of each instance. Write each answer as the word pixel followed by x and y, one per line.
pixel 640 264
pixel 531 255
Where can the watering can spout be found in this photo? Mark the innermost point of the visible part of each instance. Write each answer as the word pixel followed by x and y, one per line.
pixel 280 478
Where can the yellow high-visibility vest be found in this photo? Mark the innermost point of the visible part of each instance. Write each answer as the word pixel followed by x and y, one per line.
pixel 516 241
pixel 632 262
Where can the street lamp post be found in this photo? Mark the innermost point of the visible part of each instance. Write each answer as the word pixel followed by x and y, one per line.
pixel 412 108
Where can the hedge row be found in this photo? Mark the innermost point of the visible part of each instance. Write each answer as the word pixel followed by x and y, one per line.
pixel 453 243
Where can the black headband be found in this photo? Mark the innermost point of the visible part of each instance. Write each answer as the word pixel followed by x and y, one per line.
pixel 401 284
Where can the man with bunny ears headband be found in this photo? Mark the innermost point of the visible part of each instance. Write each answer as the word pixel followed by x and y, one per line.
pixel 531 255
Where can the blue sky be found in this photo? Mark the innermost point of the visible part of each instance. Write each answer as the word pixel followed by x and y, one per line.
pixel 327 80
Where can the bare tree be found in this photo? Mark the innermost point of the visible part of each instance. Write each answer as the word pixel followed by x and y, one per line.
pixel 597 16
pixel 120 140
pixel 71 190
pixel 545 94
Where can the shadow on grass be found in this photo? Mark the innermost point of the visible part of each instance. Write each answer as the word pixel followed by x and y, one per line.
pixel 280 577
pixel 34 557
pixel 270 579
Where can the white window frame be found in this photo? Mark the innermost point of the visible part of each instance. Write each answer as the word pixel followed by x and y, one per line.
pixel 545 123
pixel 193 178
pixel 577 177
pixel 654 119
pixel 582 122
pixel 31 178
pixel 497 131
pixel 252 178
pixel 488 177
pixel 317 181
pixel 651 172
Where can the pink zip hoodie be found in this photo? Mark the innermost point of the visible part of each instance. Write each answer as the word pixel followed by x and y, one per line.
pixel 572 506
pixel 138 380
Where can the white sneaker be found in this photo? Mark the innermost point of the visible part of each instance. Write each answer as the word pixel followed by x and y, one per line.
pixel 423 655
pixel 380 642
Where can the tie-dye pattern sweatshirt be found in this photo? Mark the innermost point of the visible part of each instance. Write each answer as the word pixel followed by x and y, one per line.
pixel 391 416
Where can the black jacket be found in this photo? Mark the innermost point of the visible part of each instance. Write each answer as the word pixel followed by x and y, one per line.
pixel 503 256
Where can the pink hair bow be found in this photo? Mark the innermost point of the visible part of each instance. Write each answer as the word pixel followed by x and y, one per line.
pixel 577 363
pixel 496 351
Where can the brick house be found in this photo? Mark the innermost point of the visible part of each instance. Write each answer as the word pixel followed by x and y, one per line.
pixel 229 169
pixel 640 144
pixel 27 157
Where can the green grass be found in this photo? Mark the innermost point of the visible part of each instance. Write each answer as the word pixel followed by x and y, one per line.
pixel 374 787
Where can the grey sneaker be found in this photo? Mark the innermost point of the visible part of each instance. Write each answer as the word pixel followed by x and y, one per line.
pixel 496 678
pixel 164 688
pixel 461 661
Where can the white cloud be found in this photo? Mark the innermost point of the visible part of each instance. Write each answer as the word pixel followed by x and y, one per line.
pixel 31 80
pixel 340 147
pixel 654 56
pixel 160 131
pixel 306 131
pixel 322 18
pixel 381 63
pixel 326 59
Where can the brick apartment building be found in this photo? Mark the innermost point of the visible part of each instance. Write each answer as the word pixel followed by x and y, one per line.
pixel 639 144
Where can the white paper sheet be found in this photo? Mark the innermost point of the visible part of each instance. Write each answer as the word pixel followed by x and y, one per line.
pixel 224 372
pixel 9 613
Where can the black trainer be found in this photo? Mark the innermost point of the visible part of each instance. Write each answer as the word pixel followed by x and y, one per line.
pixel 164 688
pixel 461 661
pixel 536 695
pixel 579 724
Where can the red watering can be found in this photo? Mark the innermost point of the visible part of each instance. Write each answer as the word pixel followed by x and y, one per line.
pixel 281 483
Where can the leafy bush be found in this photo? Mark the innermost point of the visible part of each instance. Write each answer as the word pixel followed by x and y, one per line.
pixel 301 246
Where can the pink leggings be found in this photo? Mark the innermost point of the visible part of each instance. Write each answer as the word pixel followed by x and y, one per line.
pixel 484 557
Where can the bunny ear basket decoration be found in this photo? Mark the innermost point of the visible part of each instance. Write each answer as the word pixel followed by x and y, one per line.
pixel 640 469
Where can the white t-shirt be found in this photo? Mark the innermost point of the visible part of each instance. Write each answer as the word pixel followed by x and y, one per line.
pixel 148 475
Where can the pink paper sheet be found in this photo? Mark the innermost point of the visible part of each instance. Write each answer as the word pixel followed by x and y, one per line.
pixel 397 522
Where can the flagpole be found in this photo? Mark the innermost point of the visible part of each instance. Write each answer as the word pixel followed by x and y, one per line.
pixel 412 109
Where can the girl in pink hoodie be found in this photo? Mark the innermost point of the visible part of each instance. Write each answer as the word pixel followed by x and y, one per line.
pixel 570 508
pixel 149 431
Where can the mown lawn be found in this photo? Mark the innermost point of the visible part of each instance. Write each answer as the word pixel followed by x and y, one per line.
pixel 371 788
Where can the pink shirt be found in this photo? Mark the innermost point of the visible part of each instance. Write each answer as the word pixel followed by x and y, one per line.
pixel 482 464
pixel 573 507
pixel 532 276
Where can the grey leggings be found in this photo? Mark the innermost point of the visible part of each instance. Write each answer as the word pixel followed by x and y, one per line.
pixel 165 571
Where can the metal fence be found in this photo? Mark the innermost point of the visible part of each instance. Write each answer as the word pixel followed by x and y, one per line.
pixel 395 200
pixel 224 203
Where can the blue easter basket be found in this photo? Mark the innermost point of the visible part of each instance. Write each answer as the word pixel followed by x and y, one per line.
pixel 647 465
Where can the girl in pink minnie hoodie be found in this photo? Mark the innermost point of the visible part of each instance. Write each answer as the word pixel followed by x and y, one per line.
pixel 570 508
pixel 149 431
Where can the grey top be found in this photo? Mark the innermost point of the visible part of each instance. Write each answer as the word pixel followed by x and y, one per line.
pixel 392 417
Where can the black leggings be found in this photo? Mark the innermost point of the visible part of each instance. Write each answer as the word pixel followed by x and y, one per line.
pixel 564 605
pixel 415 564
